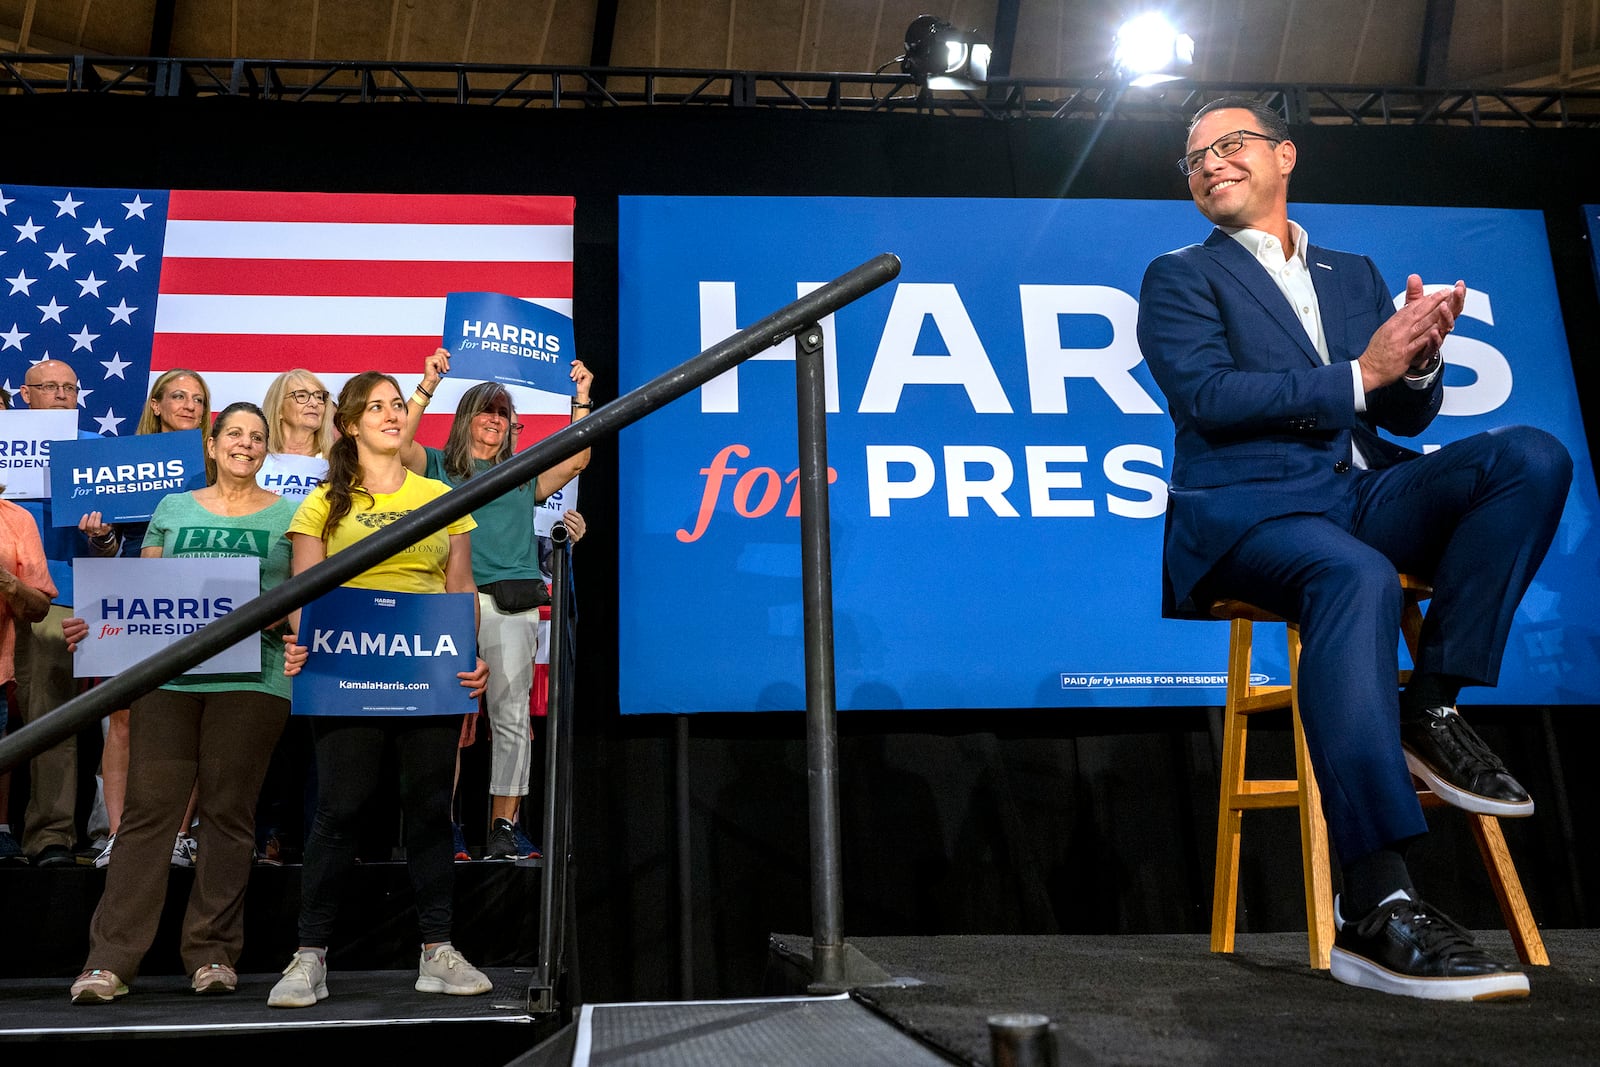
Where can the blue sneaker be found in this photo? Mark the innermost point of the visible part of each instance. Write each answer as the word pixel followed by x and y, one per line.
pixel 10 851
pixel 460 837
pixel 508 842
pixel 529 850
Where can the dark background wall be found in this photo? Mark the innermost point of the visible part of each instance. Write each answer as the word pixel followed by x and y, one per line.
pixel 954 821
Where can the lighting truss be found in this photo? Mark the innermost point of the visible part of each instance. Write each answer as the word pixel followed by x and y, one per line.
pixel 576 87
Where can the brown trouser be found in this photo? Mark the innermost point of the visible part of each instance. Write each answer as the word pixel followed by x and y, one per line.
pixel 223 741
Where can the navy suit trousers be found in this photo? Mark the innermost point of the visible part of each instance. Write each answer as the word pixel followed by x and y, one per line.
pixel 1475 518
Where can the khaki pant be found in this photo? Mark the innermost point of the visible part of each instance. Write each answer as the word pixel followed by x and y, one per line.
pixel 223 741
pixel 44 683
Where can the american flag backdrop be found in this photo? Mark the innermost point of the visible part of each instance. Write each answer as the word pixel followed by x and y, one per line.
pixel 125 283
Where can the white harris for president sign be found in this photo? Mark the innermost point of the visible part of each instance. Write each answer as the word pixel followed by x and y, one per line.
pixel 291 476
pixel 25 440
pixel 133 611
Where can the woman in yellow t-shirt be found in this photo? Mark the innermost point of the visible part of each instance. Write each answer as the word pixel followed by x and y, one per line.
pixel 367 489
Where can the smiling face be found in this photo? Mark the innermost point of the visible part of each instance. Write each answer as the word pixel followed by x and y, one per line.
pixel 238 446
pixel 491 426
pixel 181 405
pixel 1249 188
pixel 377 430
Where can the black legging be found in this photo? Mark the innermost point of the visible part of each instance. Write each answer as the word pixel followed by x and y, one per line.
pixel 349 753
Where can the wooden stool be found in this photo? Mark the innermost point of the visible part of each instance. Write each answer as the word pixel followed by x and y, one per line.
pixel 1240 794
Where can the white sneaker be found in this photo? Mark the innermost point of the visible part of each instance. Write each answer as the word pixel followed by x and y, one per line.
pixel 103 857
pixel 183 851
pixel 449 972
pixel 304 982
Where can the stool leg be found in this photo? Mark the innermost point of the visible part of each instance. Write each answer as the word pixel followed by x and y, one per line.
pixel 1314 863
pixel 1225 885
pixel 1508 889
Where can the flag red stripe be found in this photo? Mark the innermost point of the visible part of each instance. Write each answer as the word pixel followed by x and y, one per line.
pixel 274 353
pixel 442 209
pixel 291 277
pixel 536 428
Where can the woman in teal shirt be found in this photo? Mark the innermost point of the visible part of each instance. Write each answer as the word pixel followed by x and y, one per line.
pixel 505 566
pixel 214 730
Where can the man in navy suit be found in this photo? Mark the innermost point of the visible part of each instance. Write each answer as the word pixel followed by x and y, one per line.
pixel 1280 361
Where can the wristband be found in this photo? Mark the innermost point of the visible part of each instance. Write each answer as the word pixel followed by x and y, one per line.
pixel 421 397
pixel 423 391
pixel 586 405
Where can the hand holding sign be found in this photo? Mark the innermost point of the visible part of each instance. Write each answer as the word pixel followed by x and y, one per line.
pixel 74 630
pixel 434 368
pixel 294 655
pixel 476 680
pixel 102 536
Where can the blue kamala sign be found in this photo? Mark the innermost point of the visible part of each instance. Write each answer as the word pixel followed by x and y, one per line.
pixel 378 653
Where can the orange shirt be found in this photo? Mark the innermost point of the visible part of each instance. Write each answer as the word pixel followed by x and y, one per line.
pixel 22 554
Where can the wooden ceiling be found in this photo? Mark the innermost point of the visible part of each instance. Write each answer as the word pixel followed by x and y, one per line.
pixel 1453 44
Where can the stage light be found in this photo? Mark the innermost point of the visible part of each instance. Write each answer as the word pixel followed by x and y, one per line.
pixel 943 57
pixel 1147 49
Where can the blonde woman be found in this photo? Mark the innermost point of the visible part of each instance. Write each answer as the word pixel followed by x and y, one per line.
pixel 300 416
pixel 298 404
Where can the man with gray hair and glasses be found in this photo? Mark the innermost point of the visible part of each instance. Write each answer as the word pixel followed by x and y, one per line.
pixel 44 666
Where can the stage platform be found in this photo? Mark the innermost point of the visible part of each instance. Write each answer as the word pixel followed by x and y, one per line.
pixel 371 1014
pixel 1148 1000
pixel 1156 1000
pixel 47 915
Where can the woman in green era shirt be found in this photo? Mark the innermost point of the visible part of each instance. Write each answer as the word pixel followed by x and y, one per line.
pixel 217 730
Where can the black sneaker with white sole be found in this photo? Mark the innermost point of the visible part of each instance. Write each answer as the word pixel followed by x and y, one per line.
pixel 1411 949
pixel 1452 760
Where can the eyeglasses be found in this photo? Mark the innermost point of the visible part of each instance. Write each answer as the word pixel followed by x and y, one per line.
pixel 502 413
pixel 306 396
pixel 1223 146
pixel 54 388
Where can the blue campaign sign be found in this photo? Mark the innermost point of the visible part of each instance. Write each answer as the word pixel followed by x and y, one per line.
pixel 1591 215
pixel 999 451
pixel 498 338
pixel 377 653
pixel 123 478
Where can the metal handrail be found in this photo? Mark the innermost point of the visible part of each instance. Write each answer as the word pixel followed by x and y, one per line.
pixel 275 604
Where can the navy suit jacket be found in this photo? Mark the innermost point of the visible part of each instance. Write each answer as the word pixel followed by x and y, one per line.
pixel 1263 426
